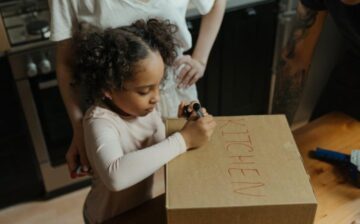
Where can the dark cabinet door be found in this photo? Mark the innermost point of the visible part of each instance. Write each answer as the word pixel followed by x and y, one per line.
pixel 237 77
pixel 209 85
pixel 19 179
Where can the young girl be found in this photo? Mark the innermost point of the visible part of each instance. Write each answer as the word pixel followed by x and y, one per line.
pixel 122 70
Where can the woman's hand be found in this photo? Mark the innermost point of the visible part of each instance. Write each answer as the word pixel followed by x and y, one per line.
pixel 76 157
pixel 191 71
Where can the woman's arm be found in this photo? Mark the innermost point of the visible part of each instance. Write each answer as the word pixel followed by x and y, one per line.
pixel 209 28
pixel 70 95
pixel 196 63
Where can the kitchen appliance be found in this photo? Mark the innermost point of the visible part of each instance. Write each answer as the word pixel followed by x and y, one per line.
pixel 26 21
pixel 32 61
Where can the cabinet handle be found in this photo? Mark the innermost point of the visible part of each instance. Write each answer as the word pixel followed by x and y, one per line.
pixel 48 84
pixel 251 12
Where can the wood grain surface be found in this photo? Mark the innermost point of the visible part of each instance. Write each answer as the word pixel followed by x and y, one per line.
pixel 338 199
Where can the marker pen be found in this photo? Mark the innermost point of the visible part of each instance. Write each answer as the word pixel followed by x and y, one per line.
pixel 196 107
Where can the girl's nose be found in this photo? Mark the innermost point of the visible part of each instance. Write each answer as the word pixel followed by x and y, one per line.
pixel 155 98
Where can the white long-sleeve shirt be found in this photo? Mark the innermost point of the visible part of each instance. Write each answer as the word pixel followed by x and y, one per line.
pixel 124 153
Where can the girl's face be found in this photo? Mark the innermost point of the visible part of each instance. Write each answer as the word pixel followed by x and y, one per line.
pixel 139 96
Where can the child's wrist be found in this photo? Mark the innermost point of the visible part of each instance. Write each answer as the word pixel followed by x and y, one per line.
pixel 186 139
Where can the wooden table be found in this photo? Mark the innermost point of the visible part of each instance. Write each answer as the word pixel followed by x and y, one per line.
pixel 338 199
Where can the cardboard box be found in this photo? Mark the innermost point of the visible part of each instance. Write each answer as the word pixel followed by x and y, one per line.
pixel 251 172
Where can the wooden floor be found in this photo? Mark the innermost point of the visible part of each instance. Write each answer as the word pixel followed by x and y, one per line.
pixel 66 209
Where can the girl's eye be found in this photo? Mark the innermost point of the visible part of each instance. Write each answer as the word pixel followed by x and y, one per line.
pixel 146 91
pixel 143 93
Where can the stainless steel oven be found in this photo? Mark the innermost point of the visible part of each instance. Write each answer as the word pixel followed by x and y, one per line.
pixel 45 113
pixel 31 59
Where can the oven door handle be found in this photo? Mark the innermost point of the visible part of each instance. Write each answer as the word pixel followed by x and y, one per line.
pixel 48 84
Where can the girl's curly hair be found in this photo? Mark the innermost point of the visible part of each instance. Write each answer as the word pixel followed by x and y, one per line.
pixel 107 58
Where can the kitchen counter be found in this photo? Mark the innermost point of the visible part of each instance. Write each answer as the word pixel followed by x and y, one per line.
pixel 230 5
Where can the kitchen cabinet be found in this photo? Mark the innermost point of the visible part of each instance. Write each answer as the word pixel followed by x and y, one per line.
pixel 237 77
pixel 19 179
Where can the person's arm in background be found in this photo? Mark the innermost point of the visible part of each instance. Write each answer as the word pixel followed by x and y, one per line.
pixel 295 60
pixel 209 28
pixel 71 95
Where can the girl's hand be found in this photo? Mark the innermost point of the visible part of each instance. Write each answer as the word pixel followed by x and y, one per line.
pixel 191 72
pixel 196 132
pixel 181 109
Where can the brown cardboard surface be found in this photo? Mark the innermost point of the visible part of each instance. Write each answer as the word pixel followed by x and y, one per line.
pixel 251 171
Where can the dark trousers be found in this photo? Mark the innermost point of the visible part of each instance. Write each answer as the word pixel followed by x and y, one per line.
pixel 342 91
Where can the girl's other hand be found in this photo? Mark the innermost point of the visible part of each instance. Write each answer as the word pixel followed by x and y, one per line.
pixel 181 109
pixel 191 71
pixel 196 132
